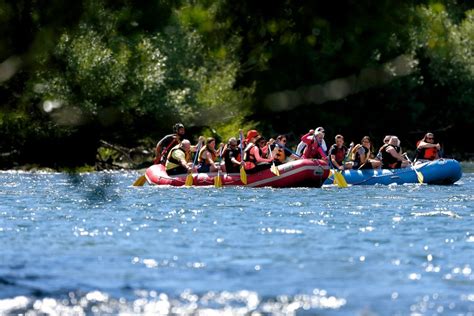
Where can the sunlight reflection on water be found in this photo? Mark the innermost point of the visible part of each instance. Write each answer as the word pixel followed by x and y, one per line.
pixel 92 244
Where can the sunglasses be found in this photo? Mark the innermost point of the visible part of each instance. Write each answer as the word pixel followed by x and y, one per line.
pixel 429 138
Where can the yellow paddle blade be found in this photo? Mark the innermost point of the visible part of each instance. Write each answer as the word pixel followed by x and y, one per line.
pixel 140 181
pixel 340 180
pixel 419 175
pixel 189 180
pixel 243 175
pixel 331 174
pixel 218 181
pixel 275 170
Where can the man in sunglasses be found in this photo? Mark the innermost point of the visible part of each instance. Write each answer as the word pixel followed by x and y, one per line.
pixel 426 149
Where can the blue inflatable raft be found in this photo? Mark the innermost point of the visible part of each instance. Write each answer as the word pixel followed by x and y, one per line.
pixel 442 171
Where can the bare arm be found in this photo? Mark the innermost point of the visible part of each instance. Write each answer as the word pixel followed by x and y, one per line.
pixel 423 144
pixel 209 160
pixel 334 162
pixel 395 153
pixel 257 156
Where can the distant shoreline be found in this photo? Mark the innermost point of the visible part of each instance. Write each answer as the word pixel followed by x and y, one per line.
pixel 467 166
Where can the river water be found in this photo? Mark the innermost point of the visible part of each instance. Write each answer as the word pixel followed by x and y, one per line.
pixel 93 244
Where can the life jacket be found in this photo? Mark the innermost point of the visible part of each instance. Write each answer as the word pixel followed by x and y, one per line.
pixel 388 161
pixel 202 159
pixel 339 153
pixel 175 161
pixel 249 157
pixel 355 156
pixel 229 165
pixel 354 152
pixel 162 156
pixel 426 153
pixel 278 153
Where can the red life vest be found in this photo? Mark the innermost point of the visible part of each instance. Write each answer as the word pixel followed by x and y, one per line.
pixel 339 153
pixel 249 157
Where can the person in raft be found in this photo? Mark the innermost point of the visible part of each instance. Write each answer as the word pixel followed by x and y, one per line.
pixel 253 154
pixel 168 142
pixel 179 159
pixel 319 137
pixel 280 152
pixel 426 149
pixel 362 155
pixel 302 145
pixel 207 157
pixel 337 154
pixel 386 139
pixel 313 149
pixel 320 132
pixel 391 157
pixel 232 159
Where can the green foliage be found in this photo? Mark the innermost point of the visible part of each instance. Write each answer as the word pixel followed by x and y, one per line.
pixel 126 71
pixel 448 45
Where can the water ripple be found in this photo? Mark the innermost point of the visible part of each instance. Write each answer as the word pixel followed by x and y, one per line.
pixel 93 244
pixel 187 303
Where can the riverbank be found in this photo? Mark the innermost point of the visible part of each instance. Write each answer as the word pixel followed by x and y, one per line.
pixel 467 166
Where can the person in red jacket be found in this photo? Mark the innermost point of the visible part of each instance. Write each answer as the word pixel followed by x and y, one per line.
pixel 312 150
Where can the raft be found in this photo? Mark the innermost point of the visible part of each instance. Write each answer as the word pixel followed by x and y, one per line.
pixel 442 171
pixel 297 173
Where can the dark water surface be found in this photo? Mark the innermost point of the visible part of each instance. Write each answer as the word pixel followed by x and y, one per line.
pixel 92 244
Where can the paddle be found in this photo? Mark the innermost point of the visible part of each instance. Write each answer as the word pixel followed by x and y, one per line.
pixel 243 175
pixel 419 175
pixel 189 177
pixel 291 151
pixel 273 168
pixel 339 179
pixel 140 181
pixel 217 179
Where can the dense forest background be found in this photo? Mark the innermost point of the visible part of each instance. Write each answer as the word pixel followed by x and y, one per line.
pixel 75 73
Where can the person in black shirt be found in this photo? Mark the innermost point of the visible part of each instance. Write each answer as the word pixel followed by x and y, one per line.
pixel 232 157
pixel 168 142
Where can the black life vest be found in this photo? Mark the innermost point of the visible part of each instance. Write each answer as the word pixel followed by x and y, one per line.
pixel 229 165
pixel 167 142
pixel 388 161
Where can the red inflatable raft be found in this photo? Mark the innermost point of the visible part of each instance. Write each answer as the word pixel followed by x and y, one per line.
pixel 297 173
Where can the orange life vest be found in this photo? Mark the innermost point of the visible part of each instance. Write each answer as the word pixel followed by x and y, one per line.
pixel 427 153
pixel 278 154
